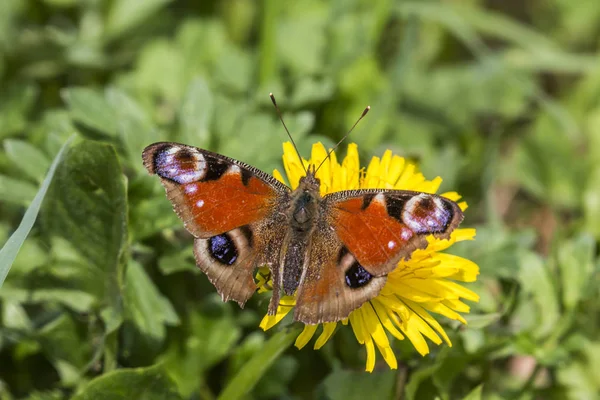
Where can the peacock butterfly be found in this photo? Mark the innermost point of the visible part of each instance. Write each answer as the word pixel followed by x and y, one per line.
pixel 333 252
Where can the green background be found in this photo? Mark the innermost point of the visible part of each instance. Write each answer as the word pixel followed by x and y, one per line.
pixel 500 98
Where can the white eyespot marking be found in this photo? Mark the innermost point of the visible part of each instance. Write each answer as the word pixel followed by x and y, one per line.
pixel 172 150
pixel 180 164
pixel 234 169
pixel 190 189
pixel 406 234
pixel 425 213
pixel 200 203
pixel 392 244
pixel 379 198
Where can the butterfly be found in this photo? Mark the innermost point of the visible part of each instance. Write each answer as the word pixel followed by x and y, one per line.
pixel 332 252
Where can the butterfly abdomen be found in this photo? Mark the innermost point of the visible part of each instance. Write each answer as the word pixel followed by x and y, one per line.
pixel 293 262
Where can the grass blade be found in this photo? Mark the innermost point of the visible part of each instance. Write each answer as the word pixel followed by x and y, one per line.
pixel 248 376
pixel 11 248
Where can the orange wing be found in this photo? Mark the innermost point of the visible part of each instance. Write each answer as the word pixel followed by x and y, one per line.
pixel 334 283
pixel 380 227
pixel 212 193
pixel 230 207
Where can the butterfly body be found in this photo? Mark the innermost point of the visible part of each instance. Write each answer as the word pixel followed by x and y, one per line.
pixel 303 212
pixel 333 252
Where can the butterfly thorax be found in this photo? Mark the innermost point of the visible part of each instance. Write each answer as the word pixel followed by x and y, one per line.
pixel 304 204
pixel 303 213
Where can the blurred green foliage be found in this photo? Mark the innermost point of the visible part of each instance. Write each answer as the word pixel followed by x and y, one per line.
pixel 103 300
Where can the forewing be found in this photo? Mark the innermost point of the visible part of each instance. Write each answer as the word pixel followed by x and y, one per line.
pixel 230 207
pixel 212 193
pixel 380 227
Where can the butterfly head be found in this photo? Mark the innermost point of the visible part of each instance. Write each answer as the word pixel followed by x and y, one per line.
pixel 304 204
pixel 310 182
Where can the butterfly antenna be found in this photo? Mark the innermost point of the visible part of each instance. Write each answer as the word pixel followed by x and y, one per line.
pixel 286 129
pixel 344 138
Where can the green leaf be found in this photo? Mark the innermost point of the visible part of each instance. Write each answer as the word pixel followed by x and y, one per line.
pixel 15 190
pixel 234 69
pixel 126 14
pixel 579 380
pixel 27 158
pixel 591 202
pixel 196 114
pixel 77 300
pixel 16 100
pixel 418 378
pixel 134 126
pixel 497 251
pixel 57 125
pixel 481 321
pixel 576 263
pixel 211 34
pixel 451 364
pixel 9 251
pixel 300 38
pixel 150 383
pixel 161 70
pixel 14 316
pixel 146 306
pixel 154 214
pixel 276 382
pixel 90 108
pixel 349 385
pixel 212 335
pixel 67 349
pixel 243 382
pixel 46 395
pixel 310 90
pixel 32 256
pixel 262 148
pixel 475 394
pixel 536 281
pixel 177 261
pixel 463 18
pixel 87 206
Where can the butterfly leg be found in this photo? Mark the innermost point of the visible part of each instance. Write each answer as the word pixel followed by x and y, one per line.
pixel 276 277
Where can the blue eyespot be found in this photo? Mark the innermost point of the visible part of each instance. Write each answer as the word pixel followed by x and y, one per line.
pixel 223 249
pixel 357 276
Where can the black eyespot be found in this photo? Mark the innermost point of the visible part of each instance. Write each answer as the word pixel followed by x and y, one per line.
pixel 216 169
pixel 246 175
pixel 367 199
pixel 394 207
pixel 357 276
pixel 222 249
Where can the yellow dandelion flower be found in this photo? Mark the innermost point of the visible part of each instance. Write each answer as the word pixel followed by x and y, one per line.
pixel 424 284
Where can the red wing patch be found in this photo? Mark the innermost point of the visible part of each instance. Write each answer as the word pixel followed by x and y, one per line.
pixel 381 228
pixel 211 193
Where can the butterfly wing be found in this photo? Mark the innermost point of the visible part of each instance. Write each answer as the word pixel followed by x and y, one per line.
pixel 380 227
pixel 225 204
pixel 364 234
pixel 212 193
pixel 333 283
